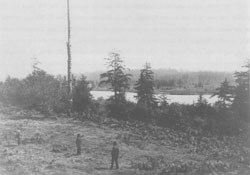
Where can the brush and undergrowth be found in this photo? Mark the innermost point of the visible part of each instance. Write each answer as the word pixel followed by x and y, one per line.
pixel 48 147
pixel 38 127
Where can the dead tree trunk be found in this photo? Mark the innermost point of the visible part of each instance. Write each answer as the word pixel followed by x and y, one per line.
pixel 69 56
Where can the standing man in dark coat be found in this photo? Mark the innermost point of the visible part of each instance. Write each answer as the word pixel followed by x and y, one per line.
pixel 114 155
pixel 78 144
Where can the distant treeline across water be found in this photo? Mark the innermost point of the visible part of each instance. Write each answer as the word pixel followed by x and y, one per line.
pixel 174 82
pixel 181 99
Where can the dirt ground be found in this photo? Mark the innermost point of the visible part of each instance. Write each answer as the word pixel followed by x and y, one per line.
pixel 48 148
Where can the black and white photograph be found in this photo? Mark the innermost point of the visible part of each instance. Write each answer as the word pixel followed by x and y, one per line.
pixel 124 87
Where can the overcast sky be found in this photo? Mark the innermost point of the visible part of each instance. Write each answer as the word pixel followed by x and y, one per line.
pixel 182 34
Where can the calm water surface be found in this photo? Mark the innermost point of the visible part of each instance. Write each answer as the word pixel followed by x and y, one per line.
pixel 182 99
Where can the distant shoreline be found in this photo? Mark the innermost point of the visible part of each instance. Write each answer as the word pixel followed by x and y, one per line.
pixel 169 92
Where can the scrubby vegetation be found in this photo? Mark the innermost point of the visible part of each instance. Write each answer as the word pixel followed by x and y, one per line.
pixel 48 94
pixel 48 147
pixel 213 132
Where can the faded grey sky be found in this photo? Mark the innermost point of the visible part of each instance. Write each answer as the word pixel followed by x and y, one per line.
pixel 182 34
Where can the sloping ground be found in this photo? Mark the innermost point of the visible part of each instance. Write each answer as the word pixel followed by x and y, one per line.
pixel 48 147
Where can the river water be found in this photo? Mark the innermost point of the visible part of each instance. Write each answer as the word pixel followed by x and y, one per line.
pixel 182 99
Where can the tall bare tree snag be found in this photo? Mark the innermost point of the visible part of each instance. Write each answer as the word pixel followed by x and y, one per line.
pixel 69 55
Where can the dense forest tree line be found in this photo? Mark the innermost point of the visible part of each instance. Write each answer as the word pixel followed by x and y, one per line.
pixel 229 115
pixel 169 79
pixel 48 94
pixel 45 93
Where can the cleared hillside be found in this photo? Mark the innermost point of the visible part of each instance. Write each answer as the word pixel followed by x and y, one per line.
pixel 48 147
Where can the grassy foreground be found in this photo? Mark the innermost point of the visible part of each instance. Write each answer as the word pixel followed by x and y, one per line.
pixel 48 147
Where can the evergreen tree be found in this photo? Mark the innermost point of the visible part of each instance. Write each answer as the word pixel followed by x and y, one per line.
pixel 202 107
pixel 115 77
pixel 201 101
pixel 145 89
pixel 241 100
pixel 225 94
pixel 118 81
pixel 81 95
pixel 163 101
